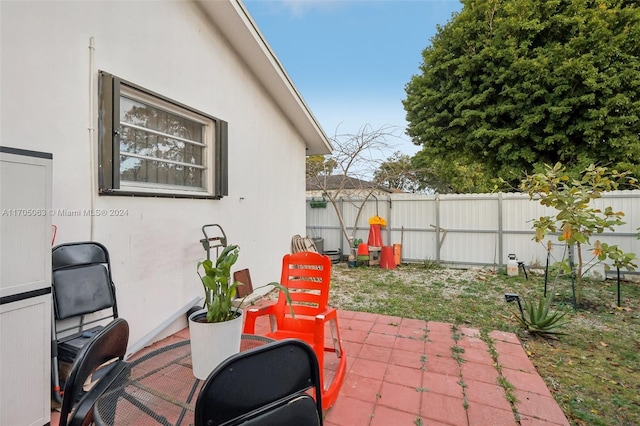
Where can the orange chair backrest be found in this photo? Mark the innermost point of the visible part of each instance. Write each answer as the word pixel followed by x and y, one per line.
pixel 307 275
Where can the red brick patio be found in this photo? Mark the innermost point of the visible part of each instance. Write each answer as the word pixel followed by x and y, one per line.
pixel 412 372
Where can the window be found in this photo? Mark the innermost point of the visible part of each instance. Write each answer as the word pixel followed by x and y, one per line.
pixel 150 145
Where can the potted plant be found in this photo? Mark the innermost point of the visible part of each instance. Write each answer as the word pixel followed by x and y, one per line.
pixel 215 331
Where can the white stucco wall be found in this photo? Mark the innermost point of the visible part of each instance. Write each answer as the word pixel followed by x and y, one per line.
pixel 48 92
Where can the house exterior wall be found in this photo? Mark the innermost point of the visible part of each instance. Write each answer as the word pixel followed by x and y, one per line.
pixel 51 53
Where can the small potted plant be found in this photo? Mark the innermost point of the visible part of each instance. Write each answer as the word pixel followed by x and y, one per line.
pixel 216 330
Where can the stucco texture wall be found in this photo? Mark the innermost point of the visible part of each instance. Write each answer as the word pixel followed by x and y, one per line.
pixel 51 53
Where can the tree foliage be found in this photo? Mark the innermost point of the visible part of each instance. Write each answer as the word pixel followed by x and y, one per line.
pixel 507 86
pixel 319 165
pixel 397 172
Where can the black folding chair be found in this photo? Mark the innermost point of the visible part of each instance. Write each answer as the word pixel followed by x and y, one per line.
pixel 264 386
pixel 84 298
pixel 108 344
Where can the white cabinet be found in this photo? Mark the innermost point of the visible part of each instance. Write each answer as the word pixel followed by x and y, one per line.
pixel 25 287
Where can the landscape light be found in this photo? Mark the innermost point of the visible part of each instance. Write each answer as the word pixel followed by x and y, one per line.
pixel 514 297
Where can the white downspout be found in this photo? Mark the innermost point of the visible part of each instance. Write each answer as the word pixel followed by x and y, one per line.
pixel 91 128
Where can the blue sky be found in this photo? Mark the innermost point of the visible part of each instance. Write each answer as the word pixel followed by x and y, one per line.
pixel 351 59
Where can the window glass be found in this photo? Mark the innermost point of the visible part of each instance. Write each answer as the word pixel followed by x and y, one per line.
pixel 157 146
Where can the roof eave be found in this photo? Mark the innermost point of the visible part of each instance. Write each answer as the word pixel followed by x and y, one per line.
pixel 234 22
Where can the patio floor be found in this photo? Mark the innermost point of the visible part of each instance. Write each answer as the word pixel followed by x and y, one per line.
pixel 412 372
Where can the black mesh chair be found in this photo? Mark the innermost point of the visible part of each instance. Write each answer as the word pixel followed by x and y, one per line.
pixel 268 385
pixel 108 344
pixel 84 299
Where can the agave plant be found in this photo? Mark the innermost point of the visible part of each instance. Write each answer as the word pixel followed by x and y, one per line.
pixel 539 318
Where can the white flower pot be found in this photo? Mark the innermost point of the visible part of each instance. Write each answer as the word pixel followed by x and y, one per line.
pixel 212 343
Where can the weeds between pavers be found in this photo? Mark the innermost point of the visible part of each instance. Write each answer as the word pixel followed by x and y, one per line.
pixel 593 371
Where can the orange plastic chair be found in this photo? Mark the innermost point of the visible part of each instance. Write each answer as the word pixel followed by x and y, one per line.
pixel 307 275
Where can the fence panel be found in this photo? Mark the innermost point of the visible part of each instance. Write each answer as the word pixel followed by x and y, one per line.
pixel 464 229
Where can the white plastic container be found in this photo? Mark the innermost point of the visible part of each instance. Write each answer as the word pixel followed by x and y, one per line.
pixel 512 265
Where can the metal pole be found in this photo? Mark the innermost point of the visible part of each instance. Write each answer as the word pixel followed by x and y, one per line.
pixel 521 310
pixel 618 269
pixel 500 232
pixel 437 208
pixel 546 273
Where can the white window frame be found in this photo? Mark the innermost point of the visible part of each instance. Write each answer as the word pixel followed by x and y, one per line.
pixel 214 138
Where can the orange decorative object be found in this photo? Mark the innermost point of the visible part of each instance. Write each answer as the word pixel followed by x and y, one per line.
pixel 375 239
pixel 363 250
pixel 397 253
pixel 307 275
pixel 386 258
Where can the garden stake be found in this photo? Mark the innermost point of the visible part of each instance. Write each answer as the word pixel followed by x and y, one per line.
pixel 618 268
pixel 573 289
pixel 546 273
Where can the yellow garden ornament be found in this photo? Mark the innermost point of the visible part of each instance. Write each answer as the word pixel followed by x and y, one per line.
pixel 377 220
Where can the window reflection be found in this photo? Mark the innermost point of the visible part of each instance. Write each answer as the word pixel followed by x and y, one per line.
pixel 157 146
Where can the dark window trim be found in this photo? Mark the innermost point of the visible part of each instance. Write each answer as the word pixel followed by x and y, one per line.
pixel 109 152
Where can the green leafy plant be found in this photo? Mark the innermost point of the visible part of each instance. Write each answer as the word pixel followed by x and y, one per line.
pixel 539 318
pixel 220 290
pixel 577 220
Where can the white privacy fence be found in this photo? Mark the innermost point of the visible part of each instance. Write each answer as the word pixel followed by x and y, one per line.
pixel 465 230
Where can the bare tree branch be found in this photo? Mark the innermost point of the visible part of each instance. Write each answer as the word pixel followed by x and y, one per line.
pixel 348 173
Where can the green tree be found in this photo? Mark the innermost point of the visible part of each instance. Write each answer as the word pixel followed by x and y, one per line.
pixel 319 165
pixel 507 86
pixel 408 174
pixel 577 219
pixel 446 174
pixel 397 172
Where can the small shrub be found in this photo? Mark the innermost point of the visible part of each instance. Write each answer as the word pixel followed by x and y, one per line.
pixel 431 264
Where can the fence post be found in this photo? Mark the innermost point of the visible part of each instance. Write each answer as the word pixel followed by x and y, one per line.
pixel 500 232
pixel 437 207
pixel 342 236
pixel 388 218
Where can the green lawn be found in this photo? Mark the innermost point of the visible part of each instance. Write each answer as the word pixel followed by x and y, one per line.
pixel 593 370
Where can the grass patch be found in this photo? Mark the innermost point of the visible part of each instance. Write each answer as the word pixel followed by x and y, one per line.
pixel 593 371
